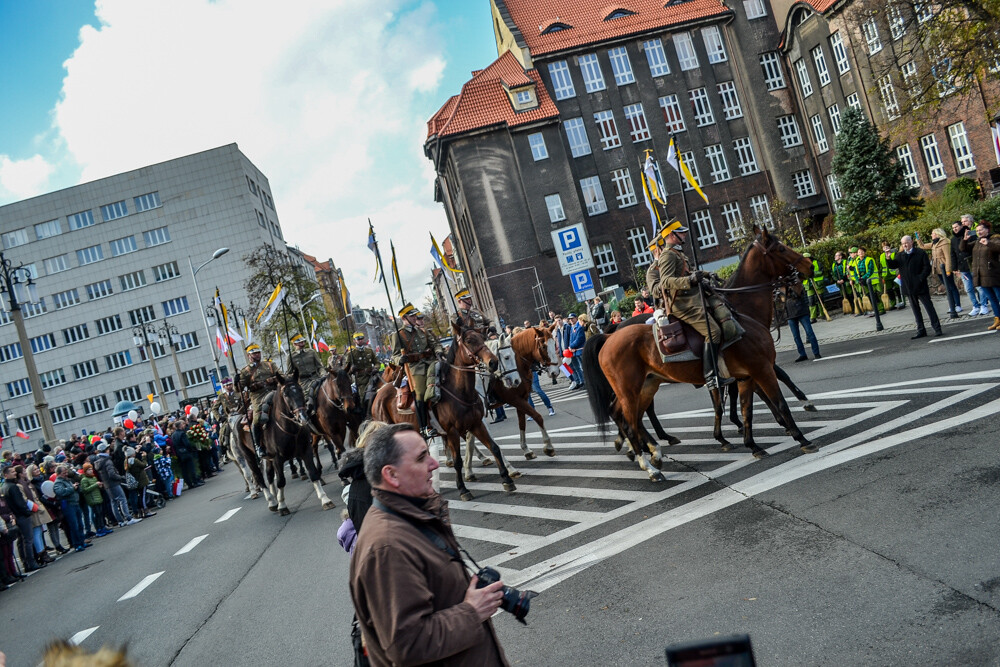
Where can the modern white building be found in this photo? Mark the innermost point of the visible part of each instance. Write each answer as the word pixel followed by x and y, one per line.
pixel 113 255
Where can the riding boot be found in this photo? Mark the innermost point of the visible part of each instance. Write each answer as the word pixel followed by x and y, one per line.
pixel 424 419
pixel 710 361
pixel 257 436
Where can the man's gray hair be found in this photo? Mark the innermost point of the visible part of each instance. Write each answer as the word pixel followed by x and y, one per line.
pixel 968 217
pixel 906 238
pixel 382 449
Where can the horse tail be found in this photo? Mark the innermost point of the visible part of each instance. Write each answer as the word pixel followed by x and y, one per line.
pixel 599 391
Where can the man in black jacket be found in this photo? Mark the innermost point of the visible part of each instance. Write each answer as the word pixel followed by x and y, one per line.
pixel 185 453
pixel 914 269
pixel 22 515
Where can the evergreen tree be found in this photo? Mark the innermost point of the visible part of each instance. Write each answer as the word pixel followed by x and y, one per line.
pixel 872 183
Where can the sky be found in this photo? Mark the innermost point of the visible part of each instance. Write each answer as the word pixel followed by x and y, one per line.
pixel 329 98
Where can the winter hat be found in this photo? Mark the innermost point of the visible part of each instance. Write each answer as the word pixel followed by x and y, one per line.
pixel 103 447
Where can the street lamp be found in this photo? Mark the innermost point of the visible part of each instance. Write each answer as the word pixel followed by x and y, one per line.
pixel 140 337
pixel 201 306
pixel 19 286
pixel 302 310
pixel 168 335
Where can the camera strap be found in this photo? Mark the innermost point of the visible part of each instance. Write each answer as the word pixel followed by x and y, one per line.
pixel 435 539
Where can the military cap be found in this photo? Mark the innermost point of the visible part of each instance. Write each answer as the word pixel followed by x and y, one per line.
pixel 358 336
pixel 408 309
pixel 253 347
pixel 464 294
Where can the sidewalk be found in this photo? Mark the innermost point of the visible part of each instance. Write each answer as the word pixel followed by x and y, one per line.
pixel 847 327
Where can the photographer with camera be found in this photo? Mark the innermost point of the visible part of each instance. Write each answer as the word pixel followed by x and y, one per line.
pixel 414 598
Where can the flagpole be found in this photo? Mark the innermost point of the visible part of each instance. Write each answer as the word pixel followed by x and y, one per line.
pixel 687 220
pixel 444 272
pixel 395 273
pixel 381 268
pixel 236 315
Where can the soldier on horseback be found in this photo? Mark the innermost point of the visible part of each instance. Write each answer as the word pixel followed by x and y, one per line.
pixel 467 317
pixel 684 300
pixel 417 350
pixel 228 404
pixel 259 378
pixel 310 367
pixel 335 360
pixel 362 363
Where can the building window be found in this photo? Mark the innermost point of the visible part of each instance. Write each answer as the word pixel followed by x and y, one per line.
pixel 109 324
pixel 133 280
pixel 656 57
pixel 819 134
pixel 641 256
pixel 730 100
pixel 888 95
pixel 638 129
pixel 840 53
pixel 15 238
pixel 95 404
pixel 252 186
pixel 745 156
pixel 754 8
pixel 686 55
pixel 80 220
pixel 261 220
pixel 834 112
pixel 621 66
pixel 175 306
pixel 593 78
pixel 154 347
pixel 734 220
pixel 562 82
pixel 853 102
pixel 18 388
pixel 86 369
pixel 702 109
pixel 114 211
pixel 960 147
pixel 123 246
pixel 822 71
pixel 90 255
pixel 523 97
pixel 146 202
pixel 788 128
pixel 604 256
pixel 672 113
pixel 118 360
pixel 167 382
pixel 5 317
pixel 870 29
pixel 52 378
pixel 924 11
pixel 706 230
pixel 717 163
pixel 56 264
pixel 896 25
pixel 607 129
pixel 29 423
pixel 774 79
pixel 10 352
pixel 909 71
pixel 166 271
pixel 34 309
pixel 62 414
pixel 157 236
pixel 44 230
pixel 713 44
pixel 42 343
pixel 803 182
pixel 688 159
pixel 141 315
pixel 99 290
pixel 195 377
pixel 834 187
pixel 70 297
pixel 760 209
pixel 593 195
pixel 75 334
pixel 624 191
pixel 132 393
pixel 538 149
pixel 932 158
pixel 804 82
pixel 576 134
pixel 905 157
pixel 554 204
pixel 187 341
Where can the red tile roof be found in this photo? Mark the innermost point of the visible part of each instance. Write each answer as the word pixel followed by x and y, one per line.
pixel 821 5
pixel 587 19
pixel 484 103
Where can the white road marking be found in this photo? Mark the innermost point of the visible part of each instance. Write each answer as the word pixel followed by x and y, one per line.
pixel 574 516
pixel 564 491
pixel 971 335
pixel 78 638
pixel 840 356
pixel 191 545
pixel 141 586
pixel 495 536
pixel 228 515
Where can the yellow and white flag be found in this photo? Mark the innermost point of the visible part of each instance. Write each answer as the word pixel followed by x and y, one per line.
pixel 272 304
pixel 675 161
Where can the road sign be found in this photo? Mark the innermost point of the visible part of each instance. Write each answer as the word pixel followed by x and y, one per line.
pixel 582 281
pixel 585 296
pixel 572 249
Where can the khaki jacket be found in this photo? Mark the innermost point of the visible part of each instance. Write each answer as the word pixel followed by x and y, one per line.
pixel 362 362
pixel 679 297
pixel 254 378
pixel 470 319
pixel 415 348
pixel 307 362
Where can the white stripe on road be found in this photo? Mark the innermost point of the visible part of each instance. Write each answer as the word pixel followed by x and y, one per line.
pixel 971 335
pixel 78 638
pixel 572 516
pixel 848 354
pixel 495 536
pixel 140 587
pixel 191 545
pixel 228 515
pixel 564 491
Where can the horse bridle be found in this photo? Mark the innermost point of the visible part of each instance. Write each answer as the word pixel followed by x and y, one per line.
pixel 474 354
pixel 296 411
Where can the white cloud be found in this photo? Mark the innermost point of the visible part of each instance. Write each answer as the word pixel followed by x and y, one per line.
pixel 20 179
pixel 324 96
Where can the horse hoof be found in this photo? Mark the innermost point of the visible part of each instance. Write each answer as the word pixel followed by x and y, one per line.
pixel 514 474
pixel 759 453
pixel 467 496
pixel 788 431
pixel 809 407
pixel 618 444
pixel 549 450
pixel 449 463
pixel 656 476
pixel 486 463
pixel 529 455
pixel 809 449
pixel 673 440
pixel 725 445
pixel 657 462
pixel 284 511
pixel 328 505
pixel 630 454
pixel 509 487
pixel 254 496
pixel 273 508
pixel 471 478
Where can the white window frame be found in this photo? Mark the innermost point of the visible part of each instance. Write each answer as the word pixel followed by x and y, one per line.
pixel 85 369
pixel 590 69
pixel 897 26
pixel 909 72
pixel 562 80
pixel 593 195
pixel 607 129
pixel 132 280
pixel 29 423
pixel 15 238
pixel 745 156
pixel 113 211
pixel 621 66
pixel 523 97
pixel 52 378
pixel 714 46
pixel 90 255
pixel 960 148
pixel 701 107
pixel 66 298
pixel 687 58
pixel 719 168
pixel 99 290
pixel 924 11
pixel 819 134
pixel 195 377
pixel 95 404
pixel 819 60
pixel 834 188
pixel 43 343
pixel 804 184
pixel 141 315
pixel 754 9
pixel 576 135
pixel 904 156
pixel 75 334
pixel 155 237
pixel 833 111
pixel 555 208
pixel 175 306
pixel 702 221
pixel 870 30
pixel 624 189
pixel 109 324
pixel 733 218
pixel 164 272
pixel 788 128
pixel 123 246
pixel 539 151
pixel 56 264
pixel 639 240
pixel 656 57
pixel 19 387
pixel 730 100
pixel 80 220
pixel 146 202
pixel 117 360
pixel 887 92
pixel 774 77
pixel 46 230
pixel 62 414
pixel 638 127
pixel 187 341
pixel 805 83
pixel 932 158
pixel 604 260
pixel 672 115
pixel 760 209
pixel 853 101
pixel 840 53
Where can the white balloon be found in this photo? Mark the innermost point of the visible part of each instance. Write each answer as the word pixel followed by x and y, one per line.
pixel 48 489
pixel 133 415
pixel 194 411
pixel 154 407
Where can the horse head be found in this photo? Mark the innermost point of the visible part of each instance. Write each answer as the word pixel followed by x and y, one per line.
pixel 545 347
pixel 770 257
pixel 294 398
pixel 509 374
pixel 342 385
pixel 470 347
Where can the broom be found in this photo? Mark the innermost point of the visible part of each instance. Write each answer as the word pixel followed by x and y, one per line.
pixel 858 308
pixel 865 301
pixel 886 302
pixel 819 297
pixel 845 304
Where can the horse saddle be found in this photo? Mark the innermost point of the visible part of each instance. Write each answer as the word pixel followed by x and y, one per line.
pixel 404 400
pixel 677 340
pixel 265 409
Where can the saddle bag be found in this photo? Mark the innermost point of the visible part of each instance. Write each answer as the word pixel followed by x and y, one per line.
pixel 670 337
pixel 404 400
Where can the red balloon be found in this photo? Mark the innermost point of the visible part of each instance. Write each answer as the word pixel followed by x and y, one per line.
pixel 187 409
pixel 129 423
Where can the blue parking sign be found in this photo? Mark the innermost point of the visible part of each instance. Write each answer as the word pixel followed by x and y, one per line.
pixel 581 281
pixel 569 239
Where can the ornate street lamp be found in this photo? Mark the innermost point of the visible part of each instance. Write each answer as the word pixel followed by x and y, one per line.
pixel 140 337
pixel 201 306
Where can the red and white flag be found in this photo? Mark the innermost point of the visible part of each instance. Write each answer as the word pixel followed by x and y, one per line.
pixel 322 346
pixel 21 434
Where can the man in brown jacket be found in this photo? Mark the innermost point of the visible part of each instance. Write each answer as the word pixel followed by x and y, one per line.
pixel 415 602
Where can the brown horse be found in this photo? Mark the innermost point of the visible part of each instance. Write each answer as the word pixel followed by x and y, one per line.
pixel 335 416
pixel 624 370
pixel 460 409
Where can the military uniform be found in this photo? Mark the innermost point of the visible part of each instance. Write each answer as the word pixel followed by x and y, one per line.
pixel 334 361
pixel 259 380
pixel 470 319
pixel 310 368
pixel 363 364
pixel 417 350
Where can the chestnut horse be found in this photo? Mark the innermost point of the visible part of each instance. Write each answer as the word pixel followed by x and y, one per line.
pixel 624 370
pixel 335 416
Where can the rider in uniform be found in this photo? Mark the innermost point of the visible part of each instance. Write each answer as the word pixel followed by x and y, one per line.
pixel 653 271
pixel 682 300
pixel 310 367
pixel 259 378
pixel 227 405
pixel 416 349
pixel 362 363
pixel 334 361
pixel 467 317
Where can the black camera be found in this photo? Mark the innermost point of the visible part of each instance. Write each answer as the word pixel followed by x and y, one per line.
pixel 514 601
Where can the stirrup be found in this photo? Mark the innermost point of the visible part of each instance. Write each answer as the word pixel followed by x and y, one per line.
pixel 430 432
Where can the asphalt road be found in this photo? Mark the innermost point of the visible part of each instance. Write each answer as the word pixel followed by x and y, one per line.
pixel 879 550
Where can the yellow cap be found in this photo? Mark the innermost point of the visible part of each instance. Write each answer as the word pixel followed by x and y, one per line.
pixel 464 294
pixel 298 337
pixel 408 309
pixel 253 347
pixel 358 336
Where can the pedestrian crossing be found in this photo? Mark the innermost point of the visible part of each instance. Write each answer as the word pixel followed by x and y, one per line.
pixel 590 502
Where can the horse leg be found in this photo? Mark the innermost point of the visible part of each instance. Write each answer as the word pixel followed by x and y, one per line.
pixel 454 441
pixel 270 490
pixel 746 404
pixel 717 401
pixel 470 447
pixel 521 424
pixel 652 446
pixel 291 466
pixel 537 416
pixel 636 453
pixel 484 460
pixel 658 428
pixel 317 484
pixel 773 391
pixel 279 467
pixel 484 436
pixel 799 394
pixel 734 417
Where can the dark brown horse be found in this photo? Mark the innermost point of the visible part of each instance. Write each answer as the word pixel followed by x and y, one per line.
pixel 335 416
pixel 624 370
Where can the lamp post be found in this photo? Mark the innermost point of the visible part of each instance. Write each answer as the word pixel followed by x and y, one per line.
pixel 140 337
pixel 201 306
pixel 212 314
pixel 168 335
pixel 302 311
pixel 20 288
pixel 7 416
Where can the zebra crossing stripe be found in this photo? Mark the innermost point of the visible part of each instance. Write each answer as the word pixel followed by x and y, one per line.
pixel 564 491
pixel 571 516
pixel 496 536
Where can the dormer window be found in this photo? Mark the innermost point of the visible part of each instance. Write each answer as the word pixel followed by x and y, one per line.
pixel 555 27
pixel 674 3
pixel 618 14
pixel 523 97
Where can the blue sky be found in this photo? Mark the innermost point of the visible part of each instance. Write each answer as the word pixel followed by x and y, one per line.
pixel 329 100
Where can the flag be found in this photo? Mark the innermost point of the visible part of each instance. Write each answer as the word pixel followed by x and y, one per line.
pixel 233 336
pixel 272 304
pixel 373 246
pixel 395 273
pixel 995 131
pixel 675 161
pixel 651 192
pixel 21 434
pixel 219 342
pixel 439 257
pixel 277 339
pixel 654 180
pixel 221 306
pixel 312 335
pixel 321 346
pixel 248 337
pixel 345 297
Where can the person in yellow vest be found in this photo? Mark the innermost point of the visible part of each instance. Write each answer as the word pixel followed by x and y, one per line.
pixel 852 279
pixel 867 272
pixel 889 275
pixel 814 288
pixel 416 350
pixel 259 378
